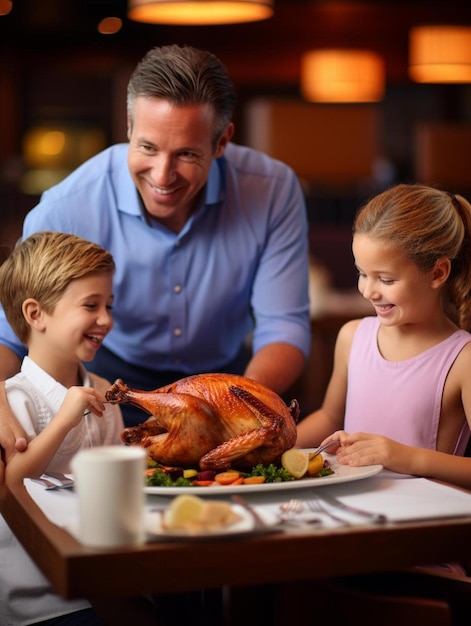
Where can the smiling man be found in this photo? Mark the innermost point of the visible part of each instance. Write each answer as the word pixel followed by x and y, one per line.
pixel 209 238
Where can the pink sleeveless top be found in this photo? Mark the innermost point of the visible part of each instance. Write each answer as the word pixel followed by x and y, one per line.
pixel 400 399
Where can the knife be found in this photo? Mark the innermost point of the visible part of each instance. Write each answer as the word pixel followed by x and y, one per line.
pixel 259 524
pixel 375 518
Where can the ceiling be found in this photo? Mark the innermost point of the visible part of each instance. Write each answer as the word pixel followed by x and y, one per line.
pixel 265 53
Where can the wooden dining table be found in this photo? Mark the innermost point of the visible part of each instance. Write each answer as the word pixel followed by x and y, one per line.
pixel 280 558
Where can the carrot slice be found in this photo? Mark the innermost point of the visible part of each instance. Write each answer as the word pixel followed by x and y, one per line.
pixel 239 481
pixel 203 483
pixel 226 478
pixel 254 480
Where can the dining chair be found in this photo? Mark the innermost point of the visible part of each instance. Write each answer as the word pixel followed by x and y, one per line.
pixel 419 582
pixel 334 601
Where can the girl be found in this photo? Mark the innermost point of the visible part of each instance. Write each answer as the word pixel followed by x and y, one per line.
pixel 400 391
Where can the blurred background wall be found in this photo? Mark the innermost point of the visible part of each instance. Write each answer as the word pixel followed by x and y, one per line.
pixel 63 89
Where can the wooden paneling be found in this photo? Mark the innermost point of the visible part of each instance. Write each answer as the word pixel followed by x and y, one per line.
pixel 323 143
pixel 442 155
pixel 10 108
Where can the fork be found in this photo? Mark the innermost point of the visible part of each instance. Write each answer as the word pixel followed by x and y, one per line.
pixel 322 448
pixel 88 412
pixel 46 483
pixel 290 511
pixel 292 508
pixel 65 481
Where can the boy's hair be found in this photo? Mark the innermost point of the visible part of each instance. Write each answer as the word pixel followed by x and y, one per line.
pixel 427 224
pixel 42 267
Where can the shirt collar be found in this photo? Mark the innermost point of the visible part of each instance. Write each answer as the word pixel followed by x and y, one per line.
pixel 213 193
pixel 128 198
pixel 216 184
pixel 48 386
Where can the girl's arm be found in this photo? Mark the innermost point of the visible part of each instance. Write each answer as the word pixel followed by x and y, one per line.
pixel 364 449
pixel 42 448
pixel 330 417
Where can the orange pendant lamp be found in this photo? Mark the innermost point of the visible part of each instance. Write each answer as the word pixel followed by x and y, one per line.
pixel 341 75
pixel 199 12
pixel 440 54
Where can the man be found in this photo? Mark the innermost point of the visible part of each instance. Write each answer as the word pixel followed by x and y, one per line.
pixel 209 239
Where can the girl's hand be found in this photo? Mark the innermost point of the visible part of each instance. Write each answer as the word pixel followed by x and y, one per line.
pixel 338 436
pixel 358 449
pixel 78 400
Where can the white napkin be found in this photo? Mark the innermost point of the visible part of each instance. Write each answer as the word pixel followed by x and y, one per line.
pixel 60 506
pixel 403 499
pixel 399 497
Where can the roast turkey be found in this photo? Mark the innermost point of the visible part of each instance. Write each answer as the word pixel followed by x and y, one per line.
pixel 214 421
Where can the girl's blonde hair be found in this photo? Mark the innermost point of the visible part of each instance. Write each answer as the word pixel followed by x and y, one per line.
pixel 427 224
pixel 42 267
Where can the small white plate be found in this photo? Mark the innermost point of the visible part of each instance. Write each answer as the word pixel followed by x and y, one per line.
pixel 244 526
pixel 342 474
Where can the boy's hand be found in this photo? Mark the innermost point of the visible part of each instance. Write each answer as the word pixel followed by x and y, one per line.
pixel 79 400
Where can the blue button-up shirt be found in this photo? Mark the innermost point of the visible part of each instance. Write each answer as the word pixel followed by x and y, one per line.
pixel 187 301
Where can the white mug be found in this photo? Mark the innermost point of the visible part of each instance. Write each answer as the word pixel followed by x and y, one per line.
pixel 110 486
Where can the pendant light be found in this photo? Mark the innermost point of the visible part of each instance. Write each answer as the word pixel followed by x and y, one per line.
pixel 199 12
pixel 440 54
pixel 342 75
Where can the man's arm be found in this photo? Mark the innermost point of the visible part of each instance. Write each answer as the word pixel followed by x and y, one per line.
pixel 277 365
pixel 279 299
pixel 9 363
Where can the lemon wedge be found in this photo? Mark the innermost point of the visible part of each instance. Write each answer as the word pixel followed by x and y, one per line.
pixel 193 514
pixel 295 461
pixel 183 511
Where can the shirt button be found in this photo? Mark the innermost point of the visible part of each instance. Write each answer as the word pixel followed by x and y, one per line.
pixel 177 332
pixel 177 288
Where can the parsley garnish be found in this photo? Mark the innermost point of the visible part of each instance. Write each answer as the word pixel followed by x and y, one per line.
pixel 272 473
pixel 160 479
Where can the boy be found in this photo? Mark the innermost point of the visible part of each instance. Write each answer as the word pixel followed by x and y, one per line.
pixel 56 290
